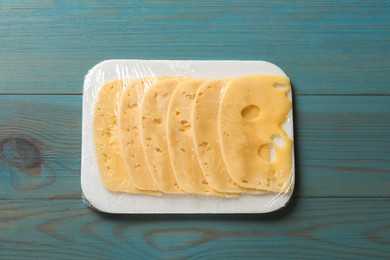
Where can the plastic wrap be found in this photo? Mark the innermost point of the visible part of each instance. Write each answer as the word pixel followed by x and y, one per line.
pixel 187 137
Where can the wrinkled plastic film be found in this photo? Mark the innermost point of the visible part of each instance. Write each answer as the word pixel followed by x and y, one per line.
pixel 158 137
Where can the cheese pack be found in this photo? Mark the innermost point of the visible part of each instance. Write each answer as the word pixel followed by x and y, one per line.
pixel 164 137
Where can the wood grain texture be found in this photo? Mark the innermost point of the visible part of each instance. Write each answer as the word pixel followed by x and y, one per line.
pixel 342 146
pixel 325 47
pixel 343 143
pixel 40 146
pixel 307 229
pixel 337 54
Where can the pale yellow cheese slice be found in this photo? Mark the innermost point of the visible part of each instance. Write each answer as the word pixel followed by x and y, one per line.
pixel 153 133
pixel 129 118
pixel 205 131
pixel 252 110
pixel 181 148
pixel 111 165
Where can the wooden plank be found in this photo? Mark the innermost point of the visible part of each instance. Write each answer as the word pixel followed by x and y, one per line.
pixel 40 142
pixel 342 146
pixel 325 47
pixel 306 229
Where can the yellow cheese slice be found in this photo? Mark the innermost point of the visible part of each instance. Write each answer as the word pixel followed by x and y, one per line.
pixel 129 117
pixel 111 165
pixel 252 110
pixel 183 158
pixel 153 133
pixel 205 131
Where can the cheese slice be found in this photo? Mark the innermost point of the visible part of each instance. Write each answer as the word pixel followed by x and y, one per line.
pixel 181 148
pixel 129 117
pixel 153 133
pixel 205 131
pixel 112 169
pixel 252 110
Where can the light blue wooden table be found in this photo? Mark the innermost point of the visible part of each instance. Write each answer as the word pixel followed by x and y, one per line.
pixel 337 54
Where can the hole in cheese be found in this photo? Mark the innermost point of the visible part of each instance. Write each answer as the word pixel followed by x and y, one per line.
pixel 185 125
pixel 108 132
pixel 190 96
pixel 266 152
pixel 289 95
pixel 250 112
pixel 203 144
pixel 157 120
pixel 278 140
pixel 272 153
pixel 131 106
pixel 280 85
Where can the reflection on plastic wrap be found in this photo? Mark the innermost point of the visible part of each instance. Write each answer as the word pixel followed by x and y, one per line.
pixel 214 136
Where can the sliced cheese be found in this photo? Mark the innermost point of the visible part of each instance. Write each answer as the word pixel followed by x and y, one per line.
pixel 205 131
pixel 153 133
pixel 183 158
pixel 108 154
pixel 129 117
pixel 252 110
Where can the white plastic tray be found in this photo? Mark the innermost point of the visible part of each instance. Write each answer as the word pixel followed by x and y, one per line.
pixel 112 202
